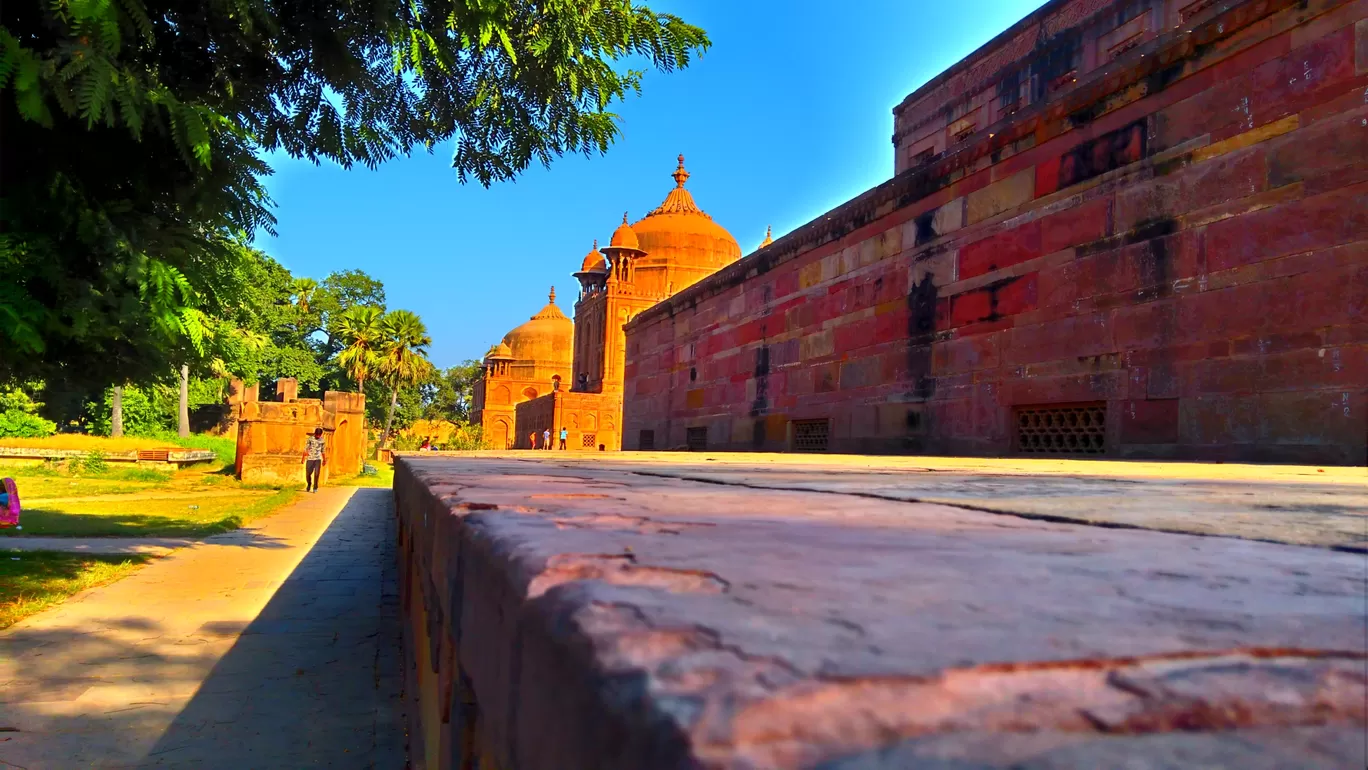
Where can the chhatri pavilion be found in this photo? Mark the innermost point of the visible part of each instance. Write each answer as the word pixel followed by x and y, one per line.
pixel 551 372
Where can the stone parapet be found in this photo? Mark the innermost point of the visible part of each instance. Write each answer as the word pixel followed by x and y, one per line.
pixel 574 616
pixel 166 456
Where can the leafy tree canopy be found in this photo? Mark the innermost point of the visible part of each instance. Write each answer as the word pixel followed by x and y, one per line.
pixel 135 130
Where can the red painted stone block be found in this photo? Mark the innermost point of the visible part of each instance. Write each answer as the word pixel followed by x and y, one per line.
pixel 965 308
pixel 1291 83
pixel 852 336
pixel 1149 325
pixel 890 326
pixel 1074 227
pixel 1315 223
pixel 1017 295
pixel 1323 148
pixel 1067 338
pixel 967 354
pixel 1002 250
pixel 1146 421
pixel 1047 176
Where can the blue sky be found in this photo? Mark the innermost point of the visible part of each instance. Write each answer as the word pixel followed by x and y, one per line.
pixel 788 115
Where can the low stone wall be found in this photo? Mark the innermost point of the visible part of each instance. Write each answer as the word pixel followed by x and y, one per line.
pixel 168 458
pixel 569 615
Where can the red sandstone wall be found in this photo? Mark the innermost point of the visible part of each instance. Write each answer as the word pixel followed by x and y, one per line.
pixel 1180 234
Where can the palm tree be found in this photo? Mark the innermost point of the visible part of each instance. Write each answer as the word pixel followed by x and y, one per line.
pixel 303 291
pixel 403 356
pixel 363 337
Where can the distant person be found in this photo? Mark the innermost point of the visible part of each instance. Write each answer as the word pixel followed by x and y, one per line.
pixel 315 455
pixel 426 446
pixel 9 504
pixel 546 439
pixel 532 440
pixel 563 436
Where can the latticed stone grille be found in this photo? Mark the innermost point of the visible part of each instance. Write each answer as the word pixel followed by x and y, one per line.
pixel 696 439
pixel 646 441
pixel 811 435
pixel 1068 430
pixel 589 440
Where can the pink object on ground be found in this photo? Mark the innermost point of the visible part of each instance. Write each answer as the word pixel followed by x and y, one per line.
pixel 9 513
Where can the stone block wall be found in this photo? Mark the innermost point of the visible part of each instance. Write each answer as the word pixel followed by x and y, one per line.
pixel 1171 241
pixel 271 435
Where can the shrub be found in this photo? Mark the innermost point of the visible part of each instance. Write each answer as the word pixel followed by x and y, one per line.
pixel 19 413
pixel 94 462
pixel 18 424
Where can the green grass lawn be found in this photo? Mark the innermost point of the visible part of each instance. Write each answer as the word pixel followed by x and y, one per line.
pixel 32 581
pixel 144 515
pixel 384 477
pixel 74 500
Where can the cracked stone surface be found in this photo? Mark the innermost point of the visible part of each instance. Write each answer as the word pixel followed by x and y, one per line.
pixel 609 618
pixel 1304 505
pixel 272 646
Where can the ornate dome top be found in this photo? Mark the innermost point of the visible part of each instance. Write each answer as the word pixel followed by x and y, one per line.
pixel 678 233
pixel 624 237
pixel 769 236
pixel 499 352
pixel 594 261
pixel 548 337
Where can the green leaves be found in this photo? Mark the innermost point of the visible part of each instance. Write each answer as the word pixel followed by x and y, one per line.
pixel 135 129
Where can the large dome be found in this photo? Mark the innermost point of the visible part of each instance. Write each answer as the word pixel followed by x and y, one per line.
pixel 547 338
pixel 677 234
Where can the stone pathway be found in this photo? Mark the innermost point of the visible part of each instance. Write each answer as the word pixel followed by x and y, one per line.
pixel 273 646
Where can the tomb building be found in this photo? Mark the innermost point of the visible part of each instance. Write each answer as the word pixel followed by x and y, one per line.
pixel 671 248
pixel 530 361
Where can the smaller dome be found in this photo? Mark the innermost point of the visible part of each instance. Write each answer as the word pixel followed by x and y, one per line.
pixel 548 337
pixel 769 236
pixel 594 261
pixel 499 352
pixel 624 237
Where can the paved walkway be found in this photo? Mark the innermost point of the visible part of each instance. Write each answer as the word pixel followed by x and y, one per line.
pixel 273 646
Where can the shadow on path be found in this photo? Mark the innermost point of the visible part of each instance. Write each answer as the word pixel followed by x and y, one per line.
pixel 315 679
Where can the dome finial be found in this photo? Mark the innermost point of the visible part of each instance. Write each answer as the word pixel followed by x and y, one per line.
pixel 769 236
pixel 553 295
pixel 680 175
pixel 595 245
pixel 624 217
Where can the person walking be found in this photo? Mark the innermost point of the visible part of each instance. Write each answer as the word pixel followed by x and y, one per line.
pixel 563 435
pixel 532 440
pixel 546 439
pixel 315 455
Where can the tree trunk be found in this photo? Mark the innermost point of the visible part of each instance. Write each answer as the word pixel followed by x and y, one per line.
pixel 389 416
pixel 116 411
pixel 184 428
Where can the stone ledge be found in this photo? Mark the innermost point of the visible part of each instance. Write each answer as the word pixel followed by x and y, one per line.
pixel 173 456
pixel 587 617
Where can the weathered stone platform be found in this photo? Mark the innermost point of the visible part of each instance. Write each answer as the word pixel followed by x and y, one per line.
pixel 681 611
